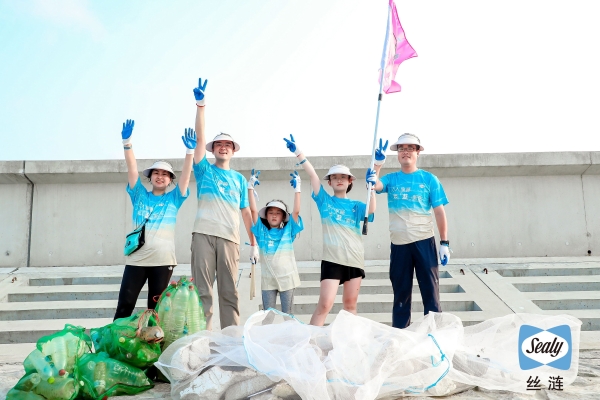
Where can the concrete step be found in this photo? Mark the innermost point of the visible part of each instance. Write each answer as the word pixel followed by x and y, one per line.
pixel 468 318
pixel 68 293
pixel 382 303
pixel 84 279
pixel 373 286
pixel 62 309
pixel 29 331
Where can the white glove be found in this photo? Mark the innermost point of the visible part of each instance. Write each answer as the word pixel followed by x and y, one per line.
pixel 254 254
pixel 296 182
pixel 380 153
pixel 444 254
pixel 254 181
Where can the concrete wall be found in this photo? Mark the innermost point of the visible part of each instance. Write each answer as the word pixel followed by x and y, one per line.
pixel 501 205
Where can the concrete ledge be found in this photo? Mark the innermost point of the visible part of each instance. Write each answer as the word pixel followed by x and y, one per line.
pixel 443 165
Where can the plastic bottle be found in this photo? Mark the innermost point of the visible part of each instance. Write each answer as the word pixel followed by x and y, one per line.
pixel 38 361
pixel 195 313
pixel 29 383
pixel 180 300
pixel 166 319
pixel 63 389
pixel 56 349
pixel 100 375
pixel 128 375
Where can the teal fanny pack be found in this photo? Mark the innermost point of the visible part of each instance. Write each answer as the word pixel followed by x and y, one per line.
pixel 135 240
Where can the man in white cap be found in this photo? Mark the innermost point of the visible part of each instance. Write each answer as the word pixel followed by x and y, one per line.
pixel 221 192
pixel 412 193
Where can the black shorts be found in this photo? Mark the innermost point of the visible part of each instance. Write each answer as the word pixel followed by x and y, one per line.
pixel 340 272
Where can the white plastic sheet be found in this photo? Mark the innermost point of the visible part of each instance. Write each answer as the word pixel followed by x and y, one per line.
pixel 356 358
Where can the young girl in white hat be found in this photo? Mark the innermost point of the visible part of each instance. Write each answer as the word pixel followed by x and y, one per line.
pixel 343 251
pixel 275 230
pixel 157 209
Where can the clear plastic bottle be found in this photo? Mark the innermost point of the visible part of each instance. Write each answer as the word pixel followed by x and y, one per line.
pixel 180 302
pixel 63 389
pixel 195 314
pixel 128 375
pixel 166 320
pixel 38 361
pixel 29 383
pixel 100 375
pixel 56 349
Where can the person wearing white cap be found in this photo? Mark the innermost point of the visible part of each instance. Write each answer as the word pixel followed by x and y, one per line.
pixel 412 194
pixel 156 210
pixel 275 230
pixel 222 193
pixel 343 251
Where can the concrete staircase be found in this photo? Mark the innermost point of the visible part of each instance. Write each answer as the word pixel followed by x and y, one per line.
pixel 38 301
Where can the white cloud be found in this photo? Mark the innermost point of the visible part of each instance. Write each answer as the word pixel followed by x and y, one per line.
pixel 74 13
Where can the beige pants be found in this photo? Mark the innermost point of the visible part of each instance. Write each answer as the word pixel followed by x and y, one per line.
pixel 214 256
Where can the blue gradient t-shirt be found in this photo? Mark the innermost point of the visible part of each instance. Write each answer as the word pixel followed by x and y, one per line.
pixel 221 194
pixel 410 200
pixel 340 219
pixel 159 248
pixel 277 260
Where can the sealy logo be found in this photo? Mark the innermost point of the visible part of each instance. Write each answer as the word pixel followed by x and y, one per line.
pixel 550 347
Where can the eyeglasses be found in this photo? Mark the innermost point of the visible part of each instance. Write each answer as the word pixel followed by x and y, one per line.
pixel 406 149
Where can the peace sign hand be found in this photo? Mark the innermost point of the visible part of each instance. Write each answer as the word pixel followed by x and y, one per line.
pixel 380 153
pixel 291 144
pixel 199 93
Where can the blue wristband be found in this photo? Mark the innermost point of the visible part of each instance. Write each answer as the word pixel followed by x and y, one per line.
pixel 302 162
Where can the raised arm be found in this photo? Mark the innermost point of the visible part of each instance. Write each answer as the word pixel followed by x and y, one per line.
pixel 315 182
pixel 132 172
pixel 252 195
pixel 199 94
pixel 189 140
pixel 296 183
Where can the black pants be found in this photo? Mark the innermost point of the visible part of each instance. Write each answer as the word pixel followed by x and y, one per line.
pixel 133 281
pixel 420 258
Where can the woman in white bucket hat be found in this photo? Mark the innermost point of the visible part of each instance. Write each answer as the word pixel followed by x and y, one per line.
pixel 343 251
pixel 156 210
pixel 275 229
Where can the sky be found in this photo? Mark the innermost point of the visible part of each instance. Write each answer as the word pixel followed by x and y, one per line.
pixel 490 77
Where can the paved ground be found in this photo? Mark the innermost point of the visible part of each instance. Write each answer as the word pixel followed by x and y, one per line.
pixel 36 301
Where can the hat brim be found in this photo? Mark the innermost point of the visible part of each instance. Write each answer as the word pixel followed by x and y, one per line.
pixel 394 147
pixel 263 213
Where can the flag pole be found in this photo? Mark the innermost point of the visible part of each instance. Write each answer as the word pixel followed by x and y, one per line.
pixel 382 69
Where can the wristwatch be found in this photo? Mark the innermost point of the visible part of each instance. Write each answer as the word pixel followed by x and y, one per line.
pixel 444 242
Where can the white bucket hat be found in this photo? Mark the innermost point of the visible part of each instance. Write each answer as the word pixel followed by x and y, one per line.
pixel 339 169
pixel 263 211
pixel 222 136
pixel 407 138
pixel 159 165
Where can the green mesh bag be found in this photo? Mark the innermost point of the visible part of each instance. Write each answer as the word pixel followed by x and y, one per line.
pixel 180 311
pixel 51 369
pixel 133 340
pixel 101 377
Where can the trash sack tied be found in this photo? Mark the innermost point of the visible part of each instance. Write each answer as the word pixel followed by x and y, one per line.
pixel 134 340
pixel 51 369
pixel 180 311
pixel 102 376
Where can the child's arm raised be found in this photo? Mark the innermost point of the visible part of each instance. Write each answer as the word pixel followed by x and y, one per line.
pixel 132 172
pixel 252 193
pixel 296 183
pixel 189 139
pixel 302 160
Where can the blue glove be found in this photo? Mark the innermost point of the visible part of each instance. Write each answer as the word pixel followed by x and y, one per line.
pixel 291 144
pixel 371 177
pixel 380 153
pixel 296 182
pixel 127 131
pixel 199 93
pixel 189 140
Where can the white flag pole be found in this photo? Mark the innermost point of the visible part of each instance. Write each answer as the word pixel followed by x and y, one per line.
pixel 382 69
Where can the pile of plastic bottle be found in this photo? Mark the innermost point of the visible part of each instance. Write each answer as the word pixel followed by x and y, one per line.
pixel 180 311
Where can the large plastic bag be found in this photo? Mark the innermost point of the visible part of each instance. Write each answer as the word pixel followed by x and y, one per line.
pixel 133 340
pixel 51 369
pixel 356 358
pixel 180 311
pixel 104 377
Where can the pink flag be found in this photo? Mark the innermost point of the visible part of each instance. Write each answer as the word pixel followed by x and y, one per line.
pixel 398 50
